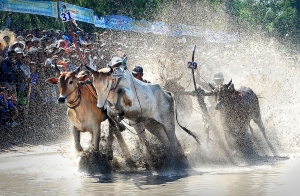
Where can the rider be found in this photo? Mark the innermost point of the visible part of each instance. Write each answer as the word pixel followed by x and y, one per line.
pixel 138 73
pixel 218 80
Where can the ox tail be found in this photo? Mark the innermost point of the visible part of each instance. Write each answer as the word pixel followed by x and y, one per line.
pixel 182 127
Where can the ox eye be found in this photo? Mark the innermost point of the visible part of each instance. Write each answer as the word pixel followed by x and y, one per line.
pixel 71 82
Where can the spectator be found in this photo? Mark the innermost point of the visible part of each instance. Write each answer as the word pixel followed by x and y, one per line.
pixel 41 54
pixel 36 42
pixel 28 45
pixel 2 49
pixel 3 106
pixel 8 37
pixel 19 55
pixel 19 32
pixel 24 78
pixel 29 37
pixel 32 52
pixel 12 112
pixel 62 65
pixel 17 44
pixel 48 42
pixel 20 38
pixel 8 70
pixel 8 110
pixel 8 20
pixel 50 93
pixel 62 44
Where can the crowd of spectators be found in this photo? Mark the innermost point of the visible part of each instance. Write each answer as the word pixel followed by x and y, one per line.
pixel 27 58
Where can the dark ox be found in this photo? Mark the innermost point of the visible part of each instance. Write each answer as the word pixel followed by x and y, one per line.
pixel 82 111
pixel 237 108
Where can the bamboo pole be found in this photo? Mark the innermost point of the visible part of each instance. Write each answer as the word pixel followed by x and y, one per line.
pixel 28 99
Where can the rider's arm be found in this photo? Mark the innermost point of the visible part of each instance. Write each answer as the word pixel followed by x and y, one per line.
pixel 200 91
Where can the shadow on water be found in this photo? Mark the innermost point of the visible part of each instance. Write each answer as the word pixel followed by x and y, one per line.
pixel 140 178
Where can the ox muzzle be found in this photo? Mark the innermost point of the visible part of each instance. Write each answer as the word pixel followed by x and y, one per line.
pixel 100 108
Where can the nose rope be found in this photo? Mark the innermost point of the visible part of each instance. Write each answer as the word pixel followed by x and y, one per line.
pixel 78 97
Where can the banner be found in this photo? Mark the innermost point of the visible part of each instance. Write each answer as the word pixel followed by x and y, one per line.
pixel 78 13
pixel 141 26
pixel 116 22
pixel 160 28
pixel 46 8
pixel 99 22
pixel 68 12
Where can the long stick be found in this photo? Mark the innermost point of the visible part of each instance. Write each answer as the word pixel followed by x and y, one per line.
pixel 76 44
pixel 28 99
pixel 202 104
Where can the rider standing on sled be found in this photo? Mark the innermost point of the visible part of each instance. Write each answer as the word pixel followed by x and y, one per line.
pixel 218 81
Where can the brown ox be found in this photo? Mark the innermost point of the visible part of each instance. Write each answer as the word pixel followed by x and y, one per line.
pixel 82 111
pixel 237 108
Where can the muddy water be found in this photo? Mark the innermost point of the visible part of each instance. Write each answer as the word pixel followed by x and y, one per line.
pixel 47 170
pixel 255 61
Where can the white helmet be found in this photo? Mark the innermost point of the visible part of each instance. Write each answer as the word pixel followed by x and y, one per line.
pixel 218 78
pixel 114 61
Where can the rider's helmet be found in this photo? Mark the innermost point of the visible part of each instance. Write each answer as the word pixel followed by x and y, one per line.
pixel 115 61
pixel 137 70
pixel 218 78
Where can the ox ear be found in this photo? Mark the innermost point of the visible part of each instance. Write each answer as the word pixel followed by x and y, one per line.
pixel 51 80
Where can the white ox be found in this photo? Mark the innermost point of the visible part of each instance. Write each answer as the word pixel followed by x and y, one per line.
pixel 144 103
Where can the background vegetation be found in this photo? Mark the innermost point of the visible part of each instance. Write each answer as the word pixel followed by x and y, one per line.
pixel 279 18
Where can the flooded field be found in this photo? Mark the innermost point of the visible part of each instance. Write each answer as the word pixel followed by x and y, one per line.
pixel 255 61
pixel 48 170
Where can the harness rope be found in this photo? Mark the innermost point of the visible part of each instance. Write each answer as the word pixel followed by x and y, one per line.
pixel 79 96
pixel 138 101
pixel 131 131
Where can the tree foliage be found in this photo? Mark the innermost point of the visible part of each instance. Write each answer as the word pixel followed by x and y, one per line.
pixel 277 17
pixel 138 9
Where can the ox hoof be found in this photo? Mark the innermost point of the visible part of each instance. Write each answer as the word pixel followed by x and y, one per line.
pixel 110 155
pixel 95 162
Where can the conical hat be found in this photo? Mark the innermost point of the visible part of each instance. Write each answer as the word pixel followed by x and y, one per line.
pixel 8 33
pixel 2 44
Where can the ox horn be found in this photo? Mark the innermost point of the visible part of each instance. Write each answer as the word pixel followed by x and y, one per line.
pixel 111 70
pixel 229 84
pixel 56 68
pixel 76 71
pixel 90 69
